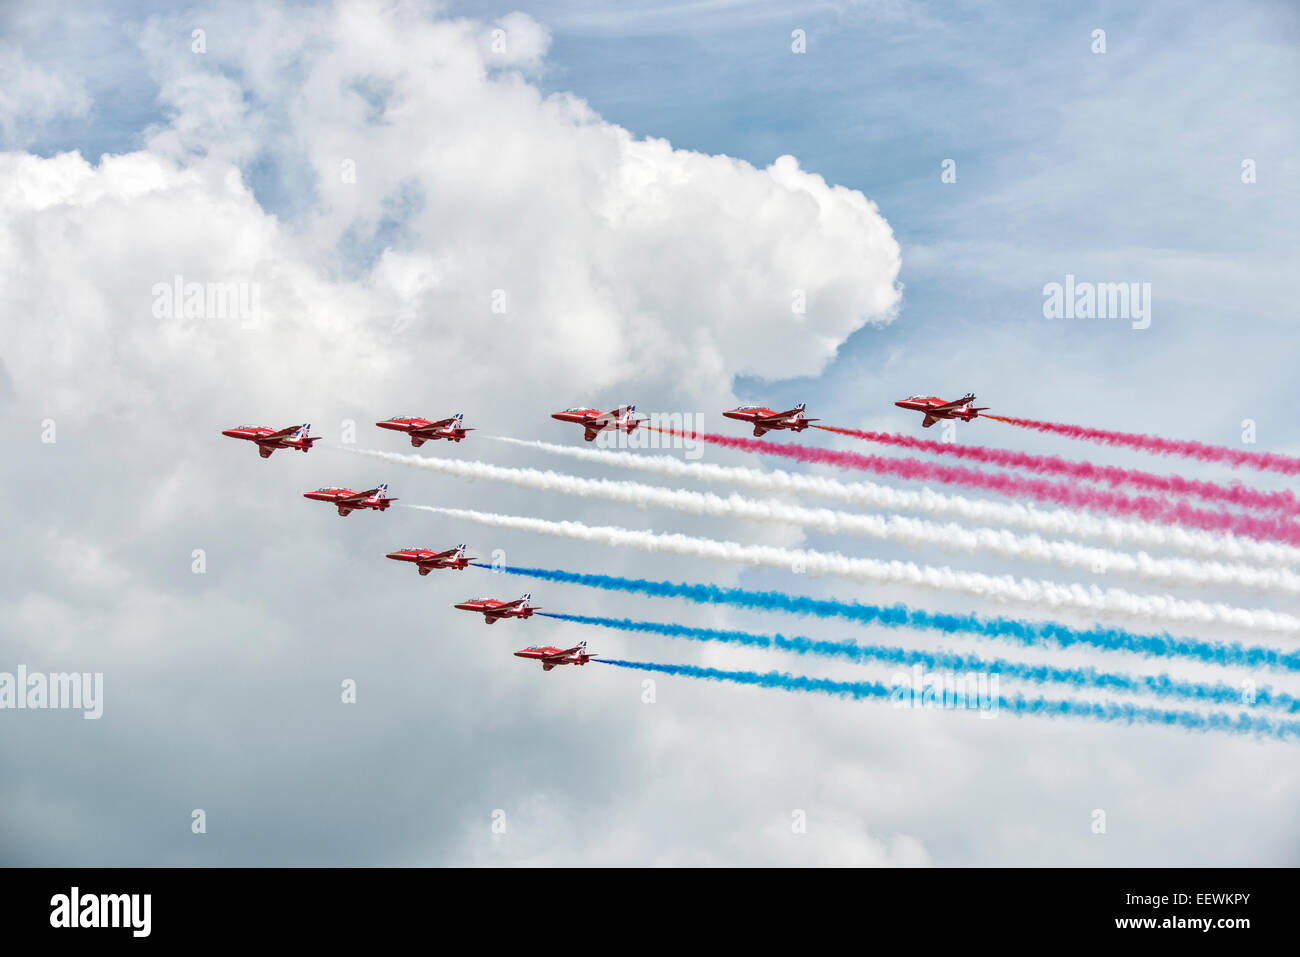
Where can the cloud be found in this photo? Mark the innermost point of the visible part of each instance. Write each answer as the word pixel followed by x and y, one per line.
pixel 516 40
pixel 31 95
pixel 610 259
pixel 628 270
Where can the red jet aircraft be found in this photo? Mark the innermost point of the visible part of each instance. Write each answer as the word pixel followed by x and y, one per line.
pixel 935 408
pixel 492 609
pixel 594 421
pixel 426 559
pixel 765 420
pixel 423 430
pixel 268 439
pixel 349 501
pixel 550 657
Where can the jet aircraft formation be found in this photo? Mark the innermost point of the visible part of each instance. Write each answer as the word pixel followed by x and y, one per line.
pixel 420 430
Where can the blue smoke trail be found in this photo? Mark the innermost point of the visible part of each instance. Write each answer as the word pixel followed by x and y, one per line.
pixel 1159 685
pixel 901 616
pixel 1060 707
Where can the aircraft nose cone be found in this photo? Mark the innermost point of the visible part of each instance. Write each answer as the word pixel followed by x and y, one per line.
pixel 901 404
pixel 394 555
pixel 229 432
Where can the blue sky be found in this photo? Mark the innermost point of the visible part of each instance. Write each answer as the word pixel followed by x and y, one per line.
pixel 1116 166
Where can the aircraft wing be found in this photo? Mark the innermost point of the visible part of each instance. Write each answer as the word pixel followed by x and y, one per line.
pixel 776 416
pixel 440 424
pixel 562 654
pixel 359 496
pixel 954 404
pixel 282 434
pixel 447 554
pixel 606 418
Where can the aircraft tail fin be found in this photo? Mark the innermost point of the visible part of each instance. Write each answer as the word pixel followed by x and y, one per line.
pixel 458 426
pixel 303 437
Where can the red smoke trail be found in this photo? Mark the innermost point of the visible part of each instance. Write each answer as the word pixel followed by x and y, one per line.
pixel 1235 494
pixel 1147 507
pixel 1264 461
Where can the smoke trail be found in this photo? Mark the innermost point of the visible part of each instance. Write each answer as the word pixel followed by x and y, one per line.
pixel 1072 496
pixel 1108 711
pixel 1035 592
pixel 1028 633
pixel 1263 461
pixel 1162 685
pixel 1054 522
pixel 1236 494
pixel 914 533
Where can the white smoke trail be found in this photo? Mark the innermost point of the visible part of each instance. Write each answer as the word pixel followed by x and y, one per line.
pixel 1042 594
pixel 911 532
pixel 1114 531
